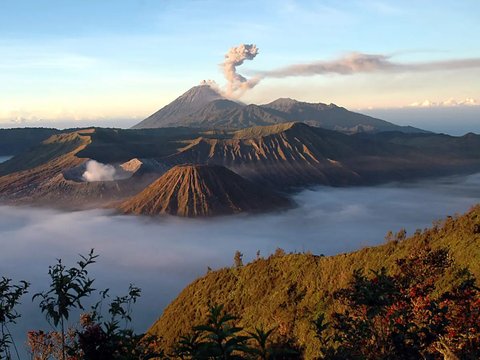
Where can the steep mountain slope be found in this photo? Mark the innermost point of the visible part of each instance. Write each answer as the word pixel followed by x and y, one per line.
pixel 295 154
pixel 226 114
pixel 287 291
pixel 291 154
pixel 172 114
pixel 201 190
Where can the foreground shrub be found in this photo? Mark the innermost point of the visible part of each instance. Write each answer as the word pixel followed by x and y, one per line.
pixel 403 316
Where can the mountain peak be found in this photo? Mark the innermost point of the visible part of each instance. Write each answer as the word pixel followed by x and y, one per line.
pixel 187 103
pixel 202 93
pixel 285 101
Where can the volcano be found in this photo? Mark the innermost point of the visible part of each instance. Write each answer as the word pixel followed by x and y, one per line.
pixel 202 190
pixel 188 103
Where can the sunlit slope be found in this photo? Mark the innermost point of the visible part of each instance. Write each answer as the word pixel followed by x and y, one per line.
pixel 295 154
pixel 288 291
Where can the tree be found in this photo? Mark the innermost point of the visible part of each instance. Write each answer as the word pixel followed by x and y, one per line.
pixel 238 259
pixel 401 235
pixel 10 295
pixel 68 287
pixel 220 336
pixel 261 339
pixel 389 236
pixel 279 252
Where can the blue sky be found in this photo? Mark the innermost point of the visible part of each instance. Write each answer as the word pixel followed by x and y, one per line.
pixel 72 60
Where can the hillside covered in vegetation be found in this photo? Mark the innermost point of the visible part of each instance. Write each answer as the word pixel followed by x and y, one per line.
pixel 288 291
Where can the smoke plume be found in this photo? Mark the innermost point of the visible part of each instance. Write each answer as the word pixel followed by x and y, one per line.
pixel 236 83
pixel 367 63
pixel 97 171
pixel 352 63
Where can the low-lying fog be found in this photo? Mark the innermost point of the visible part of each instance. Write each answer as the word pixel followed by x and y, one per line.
pixel 162 256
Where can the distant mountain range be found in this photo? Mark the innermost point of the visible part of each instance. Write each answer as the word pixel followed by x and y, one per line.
pixel 203 107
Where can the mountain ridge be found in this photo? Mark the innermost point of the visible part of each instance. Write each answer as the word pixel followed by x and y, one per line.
pixel 287 291
pixel 204 107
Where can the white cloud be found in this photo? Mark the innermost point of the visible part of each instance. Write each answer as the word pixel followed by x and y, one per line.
pixel 445 103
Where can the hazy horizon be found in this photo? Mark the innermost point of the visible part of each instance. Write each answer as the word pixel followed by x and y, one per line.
pixel 452 120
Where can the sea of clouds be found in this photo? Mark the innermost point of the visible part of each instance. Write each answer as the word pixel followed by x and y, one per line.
pixel 163 255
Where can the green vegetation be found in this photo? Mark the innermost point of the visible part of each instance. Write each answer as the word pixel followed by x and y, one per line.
pixel 288 291
pixel 96 335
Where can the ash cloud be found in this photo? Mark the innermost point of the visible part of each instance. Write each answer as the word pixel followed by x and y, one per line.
pixel 236 56
pixel 367 63
pixel 352 63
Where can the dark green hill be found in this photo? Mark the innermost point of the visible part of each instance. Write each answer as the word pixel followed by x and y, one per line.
pixel 227 114
pixel 288 291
